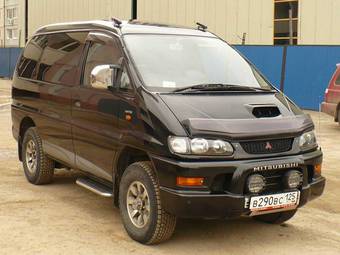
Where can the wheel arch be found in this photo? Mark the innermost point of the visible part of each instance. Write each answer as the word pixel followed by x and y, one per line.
pixel 336 117
pixel 127 156
pixel 25 124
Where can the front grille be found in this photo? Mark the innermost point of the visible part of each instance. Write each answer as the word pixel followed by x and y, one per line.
pixel 268 147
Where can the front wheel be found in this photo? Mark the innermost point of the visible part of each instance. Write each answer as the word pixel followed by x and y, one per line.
pixel 140 206
pixel 276 218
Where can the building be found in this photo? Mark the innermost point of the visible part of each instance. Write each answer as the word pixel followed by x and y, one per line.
pixel 2 38
pixel 254 22
pixel 11 20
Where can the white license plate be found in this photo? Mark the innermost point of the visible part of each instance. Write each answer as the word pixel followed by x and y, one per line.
pixel 275 201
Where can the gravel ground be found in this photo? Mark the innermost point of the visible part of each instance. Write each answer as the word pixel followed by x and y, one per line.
pixel 63 218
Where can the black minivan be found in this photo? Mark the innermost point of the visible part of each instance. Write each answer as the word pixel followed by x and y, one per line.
pixel 170 122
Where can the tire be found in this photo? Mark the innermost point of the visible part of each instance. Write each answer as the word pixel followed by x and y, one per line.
pixel 276 218
pixel 339 116
pixel 40 172
pixel 159 225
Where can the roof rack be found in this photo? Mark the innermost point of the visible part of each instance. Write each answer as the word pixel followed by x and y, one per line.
pixel 201 27
pixel 117 22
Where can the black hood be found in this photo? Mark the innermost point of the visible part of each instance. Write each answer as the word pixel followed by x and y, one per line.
pixel 238 115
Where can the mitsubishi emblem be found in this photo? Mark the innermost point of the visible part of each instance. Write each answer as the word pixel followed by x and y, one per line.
pixel 269 146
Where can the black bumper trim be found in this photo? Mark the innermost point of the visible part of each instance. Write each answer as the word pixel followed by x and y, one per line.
pixel 202 204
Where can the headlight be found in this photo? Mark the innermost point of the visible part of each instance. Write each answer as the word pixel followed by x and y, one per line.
pixel 308 141
pixel 199 146
pixel 179 145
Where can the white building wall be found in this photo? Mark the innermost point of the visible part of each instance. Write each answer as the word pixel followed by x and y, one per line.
pixel 43 12
pixel 319 22
pixel 318 19
pixel 228 18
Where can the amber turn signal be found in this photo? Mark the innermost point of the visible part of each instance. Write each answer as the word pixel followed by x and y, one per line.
pixel 317 169
pixel 190 181
pixel 128 117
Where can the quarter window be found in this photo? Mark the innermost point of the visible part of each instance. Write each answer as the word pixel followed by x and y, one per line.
pixel 61 58
pixel 124 83
pixel 28 62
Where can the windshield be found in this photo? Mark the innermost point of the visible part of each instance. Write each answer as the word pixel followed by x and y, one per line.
pixel 170 62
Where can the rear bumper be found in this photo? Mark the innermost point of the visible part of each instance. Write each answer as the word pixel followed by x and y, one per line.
pixel 187 204
pixel 205 202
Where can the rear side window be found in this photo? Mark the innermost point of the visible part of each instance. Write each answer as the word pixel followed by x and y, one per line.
pixel 29 60
pixel 60 59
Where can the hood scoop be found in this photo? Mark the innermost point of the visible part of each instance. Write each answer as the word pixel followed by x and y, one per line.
pixel 264 111
pixel 249 128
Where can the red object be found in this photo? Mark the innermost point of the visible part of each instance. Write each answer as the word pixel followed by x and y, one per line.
pixel 331 105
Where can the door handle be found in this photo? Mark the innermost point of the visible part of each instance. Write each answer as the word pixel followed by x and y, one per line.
pixel 77 103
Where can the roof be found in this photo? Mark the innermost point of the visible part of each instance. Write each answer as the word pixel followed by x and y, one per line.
pixel 131 27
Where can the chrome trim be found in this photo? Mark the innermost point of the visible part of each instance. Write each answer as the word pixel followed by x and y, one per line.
pixel 96 188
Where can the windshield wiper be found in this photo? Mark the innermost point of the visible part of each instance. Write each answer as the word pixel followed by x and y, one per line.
pixel 220 87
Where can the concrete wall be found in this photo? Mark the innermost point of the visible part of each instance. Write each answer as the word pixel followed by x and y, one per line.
pixel 43 12
pixel 228 18
pixel 319 22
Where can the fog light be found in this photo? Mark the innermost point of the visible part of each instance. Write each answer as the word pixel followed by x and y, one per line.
pixel 190 181
pixel 256 183
pixel 293 179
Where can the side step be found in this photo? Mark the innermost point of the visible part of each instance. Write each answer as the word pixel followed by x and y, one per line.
pixel 94 186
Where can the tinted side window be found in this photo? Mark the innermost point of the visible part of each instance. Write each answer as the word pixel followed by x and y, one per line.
pixel 61 58
pixel 103 50
pixel 337 81
pixel 28 62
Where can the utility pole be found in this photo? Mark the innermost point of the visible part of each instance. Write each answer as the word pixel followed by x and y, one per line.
pixel 244 38
pixel 4 7
pixel 26 21
pixel 291 32
pixel 133 9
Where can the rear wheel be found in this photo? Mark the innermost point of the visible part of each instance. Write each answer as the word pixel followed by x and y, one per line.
pixel 276 218
pixel 38 168
pixel 139 201
pixel 339 116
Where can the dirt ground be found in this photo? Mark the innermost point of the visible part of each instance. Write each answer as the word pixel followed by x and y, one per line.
pixel 63 218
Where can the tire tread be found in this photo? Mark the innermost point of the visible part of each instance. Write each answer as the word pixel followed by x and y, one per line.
pixel 46 165
pixel 166 223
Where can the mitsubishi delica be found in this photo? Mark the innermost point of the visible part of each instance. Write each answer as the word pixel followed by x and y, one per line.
pixel 168 122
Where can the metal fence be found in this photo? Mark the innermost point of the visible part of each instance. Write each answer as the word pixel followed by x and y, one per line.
pixel 8 60
pixel 302 72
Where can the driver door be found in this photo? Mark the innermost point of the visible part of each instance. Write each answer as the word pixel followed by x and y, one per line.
pixel 95 108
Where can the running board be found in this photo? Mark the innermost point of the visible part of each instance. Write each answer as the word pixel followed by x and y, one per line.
pixel 95 187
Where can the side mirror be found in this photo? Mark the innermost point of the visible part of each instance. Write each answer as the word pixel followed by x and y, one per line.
pixel 104 76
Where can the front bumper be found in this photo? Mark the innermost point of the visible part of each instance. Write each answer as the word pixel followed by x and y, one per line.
pixel 232 202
